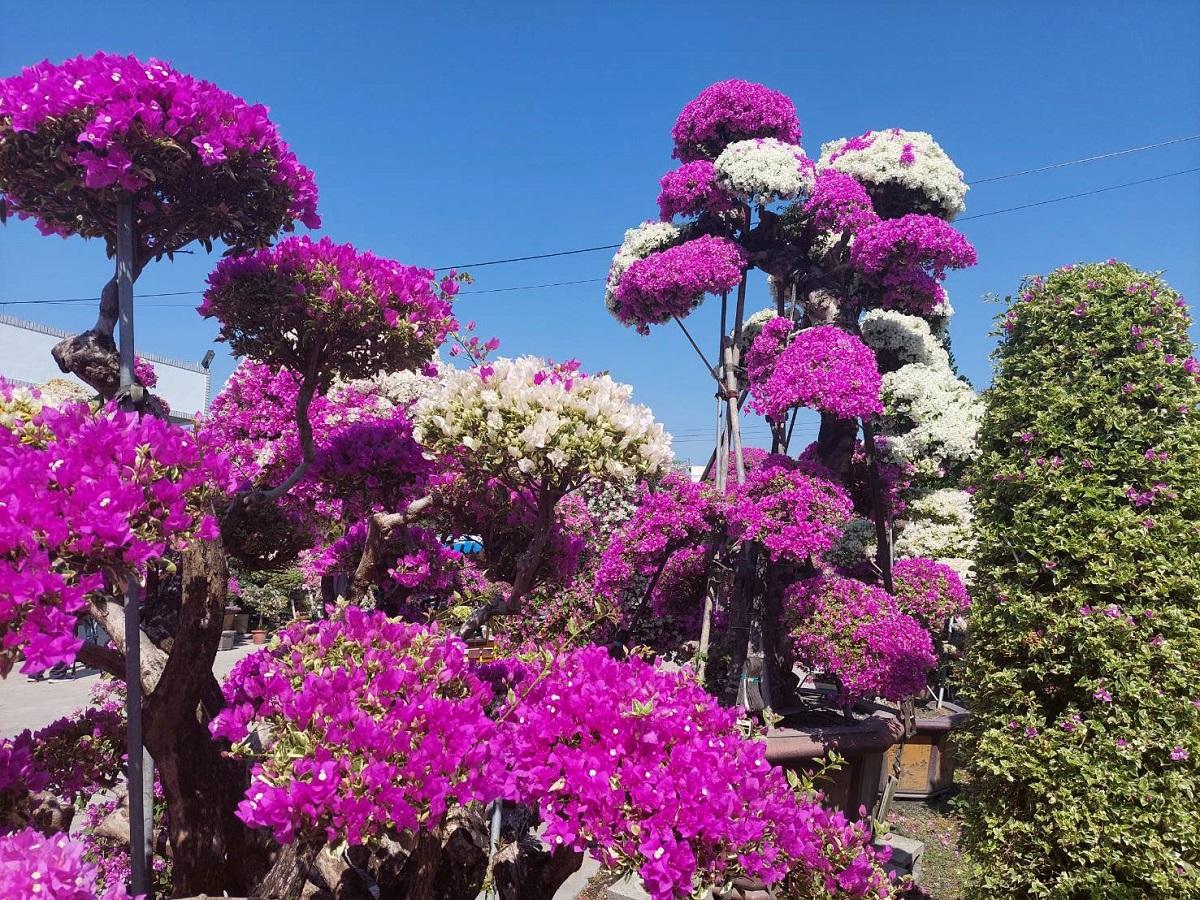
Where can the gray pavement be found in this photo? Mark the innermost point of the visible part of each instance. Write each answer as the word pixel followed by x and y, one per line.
pixel 35 704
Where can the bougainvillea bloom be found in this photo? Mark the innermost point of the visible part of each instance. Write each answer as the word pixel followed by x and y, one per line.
pixel 791 512
pixel 692 190
pixel 929 590
pixel 731 111
pixel 839 203
pixel 393 717
pixel 674 281
pixel 34 865
pixel 87 498
pixel 764 170
pixel 203 163
pixel 822 367
pixel 316 305
pixel 904 171
pixel 903 261
pixel 843 627
pixel 644 769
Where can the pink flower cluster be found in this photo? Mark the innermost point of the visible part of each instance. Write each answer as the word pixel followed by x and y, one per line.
pixel 670 529
pixel 375 459
pixel 86 497
pixel 72 757
pixel 395 721
pixel 144 372
pixel 730 111
pixel 692 190
pixel 839 203
pixel 643 768
pixel 902 261
pixel 822 367
pixel 117 122
pixel 854 631
pixel 673 281
pixel 929 590
pixel 34 865
pixel 357 314
pixel 793 513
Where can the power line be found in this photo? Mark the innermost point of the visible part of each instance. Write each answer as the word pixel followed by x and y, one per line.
pixel 530 287
pixel 1084 159
pixel 1114 187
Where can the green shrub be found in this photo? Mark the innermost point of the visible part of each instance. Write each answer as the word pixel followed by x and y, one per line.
pixel 1084 654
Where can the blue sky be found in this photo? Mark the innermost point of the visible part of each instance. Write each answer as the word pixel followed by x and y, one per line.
pixel 452 133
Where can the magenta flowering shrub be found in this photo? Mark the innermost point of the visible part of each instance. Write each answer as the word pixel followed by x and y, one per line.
pixel 672 282
pixel 662 543
pixel 374 460
pixel 391 720
pixel 34 865
pixel 822 367
pixel 75 136
pixel 87 497
pixel 645 770
pixel 791 512
pixel 839 203
pixel 929 590
pixel 78 754
pixel 144 372
pixel 902 262
pixel 692 190
pixel 323 309
pixel 730 111
pixel 854 631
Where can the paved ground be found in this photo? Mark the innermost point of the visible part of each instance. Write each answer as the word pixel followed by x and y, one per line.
pixel 35 704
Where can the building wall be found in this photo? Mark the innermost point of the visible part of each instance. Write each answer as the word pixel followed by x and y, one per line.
pixel 25 357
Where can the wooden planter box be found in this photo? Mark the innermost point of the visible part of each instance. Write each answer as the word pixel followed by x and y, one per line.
pixel 927 764
pixel 805 738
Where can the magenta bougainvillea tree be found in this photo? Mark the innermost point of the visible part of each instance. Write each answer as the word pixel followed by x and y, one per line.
pixel 861 229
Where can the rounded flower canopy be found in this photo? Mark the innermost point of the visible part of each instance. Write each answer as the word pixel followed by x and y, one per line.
pixel 639 242
pixel 674 281
pixel 904 171
pixel 202 164
pixel 692 190
pixel 324 307
pixel 527 421
pixel 763 170
pixel 731 111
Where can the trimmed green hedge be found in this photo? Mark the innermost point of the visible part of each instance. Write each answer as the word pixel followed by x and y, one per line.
pixel 1084 653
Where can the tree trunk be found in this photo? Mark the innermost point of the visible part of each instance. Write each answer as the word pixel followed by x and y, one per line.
pixel 527 871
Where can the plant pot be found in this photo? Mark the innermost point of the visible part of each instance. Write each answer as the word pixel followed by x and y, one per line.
pixel 230 614
pixel 226 642
pixel 809 733
pixel 241 623
pixel 259 635
pixel 927 764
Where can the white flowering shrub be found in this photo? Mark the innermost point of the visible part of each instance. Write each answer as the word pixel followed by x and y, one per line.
pixel 909 337
pixel 939 525
pixel 403 388
pixel 764 169
pixel 525 419
pixel 931 419
pixel 639 242
pixel 911 160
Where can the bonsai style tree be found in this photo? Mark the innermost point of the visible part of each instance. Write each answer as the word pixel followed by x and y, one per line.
pixel 1085 742
pixel 864 229
pixel 198 165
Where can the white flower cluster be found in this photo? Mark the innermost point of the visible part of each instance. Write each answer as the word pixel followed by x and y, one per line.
pixel 931 419
pixel 939 525
pixel 911 159
pixel 764 169
pixel 522 420
pixel 910 337
pixel 403 388
pixel 640 242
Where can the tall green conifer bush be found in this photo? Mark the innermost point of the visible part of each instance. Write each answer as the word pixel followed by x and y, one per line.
pixel 1084 654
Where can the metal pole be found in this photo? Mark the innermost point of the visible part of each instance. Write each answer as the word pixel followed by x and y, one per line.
pixel 139 881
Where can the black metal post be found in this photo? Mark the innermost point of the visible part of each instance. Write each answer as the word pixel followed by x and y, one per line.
pixel 138 784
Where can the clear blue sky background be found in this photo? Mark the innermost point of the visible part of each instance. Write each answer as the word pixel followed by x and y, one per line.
pixel 458 132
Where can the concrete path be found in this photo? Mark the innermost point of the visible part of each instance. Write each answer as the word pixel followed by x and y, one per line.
pixel 35 704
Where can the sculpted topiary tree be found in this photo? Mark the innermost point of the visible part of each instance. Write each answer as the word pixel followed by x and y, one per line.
pixel 1085 643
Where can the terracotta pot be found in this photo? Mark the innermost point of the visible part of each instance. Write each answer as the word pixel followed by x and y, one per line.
pixel 259 635
pixel 807 735
pixel 927 764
